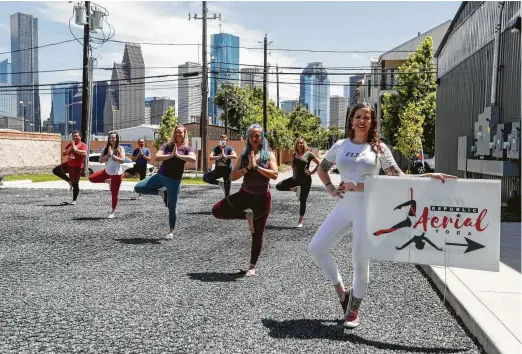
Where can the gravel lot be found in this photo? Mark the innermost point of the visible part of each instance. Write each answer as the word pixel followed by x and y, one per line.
pixel 74 281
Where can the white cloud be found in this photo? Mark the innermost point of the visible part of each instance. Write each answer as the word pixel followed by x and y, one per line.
pixel 154 22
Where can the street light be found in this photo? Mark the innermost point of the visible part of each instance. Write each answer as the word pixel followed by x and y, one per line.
pixel 66 117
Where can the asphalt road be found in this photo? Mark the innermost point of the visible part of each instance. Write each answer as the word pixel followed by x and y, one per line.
pixel 73 281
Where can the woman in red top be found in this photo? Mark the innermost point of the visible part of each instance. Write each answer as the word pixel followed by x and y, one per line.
pixel 76 151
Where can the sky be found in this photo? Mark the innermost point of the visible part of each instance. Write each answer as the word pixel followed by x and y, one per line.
pixel 342 26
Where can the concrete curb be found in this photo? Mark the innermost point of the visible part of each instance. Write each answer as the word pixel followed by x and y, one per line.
pixel 494 337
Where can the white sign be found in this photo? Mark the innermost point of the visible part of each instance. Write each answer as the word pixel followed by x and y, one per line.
pixel 424 221
pixel 196 143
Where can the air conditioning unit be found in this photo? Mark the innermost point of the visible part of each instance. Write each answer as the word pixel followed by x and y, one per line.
pixel 513 150
pixel 80 15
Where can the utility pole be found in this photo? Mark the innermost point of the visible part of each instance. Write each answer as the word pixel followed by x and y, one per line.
pixel 226 115
pixel 85 79
pixel 265 113
pixel 89 116
pixel 277 79
pixel 204 89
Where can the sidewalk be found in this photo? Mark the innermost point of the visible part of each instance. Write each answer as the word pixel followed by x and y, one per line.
pixel 489 303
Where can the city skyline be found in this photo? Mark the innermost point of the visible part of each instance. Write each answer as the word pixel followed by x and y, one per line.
pixel 248 20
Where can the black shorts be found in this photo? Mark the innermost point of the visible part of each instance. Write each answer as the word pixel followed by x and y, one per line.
pixel 138 169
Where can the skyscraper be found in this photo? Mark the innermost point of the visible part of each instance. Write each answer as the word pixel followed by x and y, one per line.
pixel 338 106
pixel 315 91
pixel 62 95
pixel 158 107
pixel 224 66
pixel 125 100
pixel 24 58
pixel 352 95
pixel 189 92
pixel 5 72
pixel 288 105
pixel 253 77
pixel 8 101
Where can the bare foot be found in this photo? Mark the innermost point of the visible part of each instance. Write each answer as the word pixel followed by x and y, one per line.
pixel 250 219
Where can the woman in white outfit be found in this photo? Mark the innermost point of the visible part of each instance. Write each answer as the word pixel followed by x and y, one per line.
pixel 113 155
pixel 361 154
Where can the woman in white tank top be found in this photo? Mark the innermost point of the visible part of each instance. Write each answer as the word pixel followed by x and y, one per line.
pixel 360 154
pixel 113 155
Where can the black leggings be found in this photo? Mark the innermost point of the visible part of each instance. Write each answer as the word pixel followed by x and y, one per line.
pixel 304 182
pixel 74 173
pixel 212 176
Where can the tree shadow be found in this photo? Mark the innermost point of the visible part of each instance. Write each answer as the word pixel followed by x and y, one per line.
pixel 333 330
pixel 215 277
pixel 138 241
pixel 200 213
pixel 88 218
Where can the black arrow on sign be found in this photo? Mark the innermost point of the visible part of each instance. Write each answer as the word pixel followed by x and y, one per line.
pixel 472 245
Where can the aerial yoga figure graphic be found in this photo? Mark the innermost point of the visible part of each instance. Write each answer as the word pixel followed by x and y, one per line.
pixel 412 212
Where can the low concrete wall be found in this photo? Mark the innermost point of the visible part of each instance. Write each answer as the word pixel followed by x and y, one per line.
pixel 24 152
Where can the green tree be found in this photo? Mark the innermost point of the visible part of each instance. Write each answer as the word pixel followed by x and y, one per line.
pixel 304 124
pixel 168 122
pixel 415 85
pixel 410 131
pixel 237 103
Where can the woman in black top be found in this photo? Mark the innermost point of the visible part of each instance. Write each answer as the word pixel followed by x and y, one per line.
pixel 301 180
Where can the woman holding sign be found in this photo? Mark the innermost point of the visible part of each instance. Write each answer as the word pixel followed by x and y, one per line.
pixel 361 154
pixel 173 155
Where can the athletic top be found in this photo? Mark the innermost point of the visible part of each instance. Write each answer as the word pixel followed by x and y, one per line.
pixel 223 162
pixel 356 161
pixel 112 167
pixel 253 181
pixel 174 167
pixel 301 164
pixel 140 161
pixel 75 160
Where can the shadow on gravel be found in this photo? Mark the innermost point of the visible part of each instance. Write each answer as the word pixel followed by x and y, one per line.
pixel 333 330
pixel 138 241
pixel 88 218
pixel 62 204
pixel 275 227
pixel 200 213
pixel 215 277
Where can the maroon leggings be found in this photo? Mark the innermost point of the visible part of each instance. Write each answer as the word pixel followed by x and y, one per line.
pixel 101 176
pixel 233 207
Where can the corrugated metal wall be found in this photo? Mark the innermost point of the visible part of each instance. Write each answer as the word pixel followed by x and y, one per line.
pixel 465 90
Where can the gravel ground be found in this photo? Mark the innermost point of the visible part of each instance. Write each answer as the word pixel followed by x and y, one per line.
pixel 73 281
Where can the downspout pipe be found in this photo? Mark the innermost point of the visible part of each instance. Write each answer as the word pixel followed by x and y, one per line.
pixel 496 54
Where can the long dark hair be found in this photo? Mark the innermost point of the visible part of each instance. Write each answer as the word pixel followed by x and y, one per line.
pixel 106 150
pixel 373 135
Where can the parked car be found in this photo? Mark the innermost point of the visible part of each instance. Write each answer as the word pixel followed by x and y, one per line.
pixel 95 165
pixel 418 168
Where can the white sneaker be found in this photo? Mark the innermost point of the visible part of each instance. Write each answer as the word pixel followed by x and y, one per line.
pixel 170 236
pixel 300 224
pixel 111 216
pixel 73 202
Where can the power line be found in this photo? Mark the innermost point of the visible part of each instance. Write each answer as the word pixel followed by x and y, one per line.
pixel 41 46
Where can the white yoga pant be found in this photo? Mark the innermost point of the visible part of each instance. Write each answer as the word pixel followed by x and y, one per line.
pixel 348 212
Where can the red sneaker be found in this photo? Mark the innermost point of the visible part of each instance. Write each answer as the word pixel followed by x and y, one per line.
pixel 351 320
